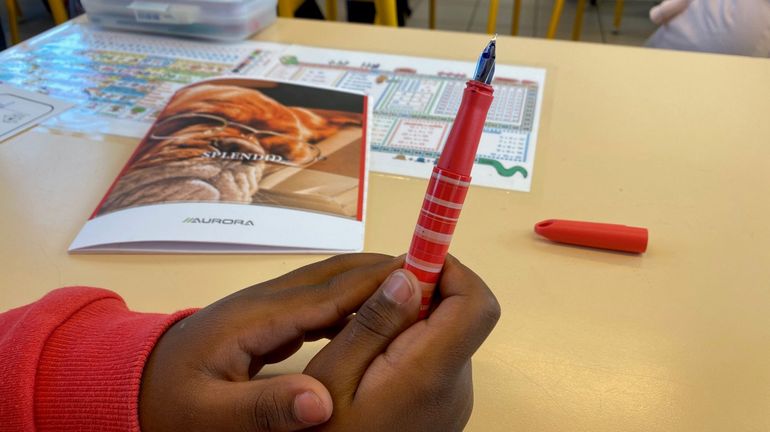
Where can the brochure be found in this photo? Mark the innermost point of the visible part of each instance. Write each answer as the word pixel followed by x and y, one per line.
pixel 241 165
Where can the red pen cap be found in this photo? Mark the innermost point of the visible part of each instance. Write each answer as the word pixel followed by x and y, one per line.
pixel 592 234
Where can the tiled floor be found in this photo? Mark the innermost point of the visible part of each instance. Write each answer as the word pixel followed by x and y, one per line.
pixel 471 15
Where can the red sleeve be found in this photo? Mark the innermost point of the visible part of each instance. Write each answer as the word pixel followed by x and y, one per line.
pixel 73 361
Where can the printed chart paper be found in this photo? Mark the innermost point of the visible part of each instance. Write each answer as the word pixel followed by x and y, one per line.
pixel 415 101
pixel 121 81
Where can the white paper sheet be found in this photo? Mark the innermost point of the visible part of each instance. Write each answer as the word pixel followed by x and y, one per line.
pixel 21 110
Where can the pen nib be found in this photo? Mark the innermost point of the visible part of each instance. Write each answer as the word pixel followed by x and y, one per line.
pixel 485 67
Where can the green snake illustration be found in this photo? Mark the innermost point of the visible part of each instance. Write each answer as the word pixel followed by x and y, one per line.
pixel 503 171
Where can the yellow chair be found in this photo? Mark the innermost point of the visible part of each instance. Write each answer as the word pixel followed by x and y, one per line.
pixel 492 16
pixel 13 20
pixel 385 15
pixel 618 14
pixel 553 25
pixel 577 26
pixel 286 8
pixel 432 14
pixel 14 13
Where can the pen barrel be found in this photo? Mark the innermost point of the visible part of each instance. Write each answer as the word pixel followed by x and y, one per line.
pixel 436 223
pixel 446 192
pixel 461 145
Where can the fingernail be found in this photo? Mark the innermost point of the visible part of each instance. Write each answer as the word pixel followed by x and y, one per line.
pixel 308 408
pixel 397 288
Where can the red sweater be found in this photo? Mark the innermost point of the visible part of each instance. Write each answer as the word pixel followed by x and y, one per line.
pixel 73 361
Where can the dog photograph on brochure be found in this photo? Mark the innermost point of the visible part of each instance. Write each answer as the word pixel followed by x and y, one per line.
pixel 250 141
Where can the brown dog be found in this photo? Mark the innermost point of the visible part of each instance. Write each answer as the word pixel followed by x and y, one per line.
pixel 173 163
pixel 298 127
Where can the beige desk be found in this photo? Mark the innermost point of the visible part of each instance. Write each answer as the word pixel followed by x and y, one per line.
pixel 677 339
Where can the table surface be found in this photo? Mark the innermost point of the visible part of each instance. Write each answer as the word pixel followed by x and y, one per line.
pixel 675 339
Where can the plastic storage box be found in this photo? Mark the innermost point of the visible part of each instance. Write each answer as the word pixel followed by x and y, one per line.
pixel 227 20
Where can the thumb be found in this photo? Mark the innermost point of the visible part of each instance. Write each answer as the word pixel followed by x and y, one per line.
pixel 278 404
pixel 386 314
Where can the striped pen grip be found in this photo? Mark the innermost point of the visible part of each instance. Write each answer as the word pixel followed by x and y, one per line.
pixel 438 217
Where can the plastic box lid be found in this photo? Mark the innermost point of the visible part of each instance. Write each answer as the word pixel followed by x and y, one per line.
pixel 208 19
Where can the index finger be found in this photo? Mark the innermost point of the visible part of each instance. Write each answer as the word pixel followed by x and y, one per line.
pixel 314 274
pixel 291 313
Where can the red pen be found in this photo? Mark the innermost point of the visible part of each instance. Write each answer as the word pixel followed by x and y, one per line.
pixel 450 180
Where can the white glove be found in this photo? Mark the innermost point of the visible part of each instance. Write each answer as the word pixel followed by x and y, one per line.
pixel 663 12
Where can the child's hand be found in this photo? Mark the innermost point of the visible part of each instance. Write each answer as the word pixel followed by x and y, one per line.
pixel 199 374
pixel 384 371
pixel 387 373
